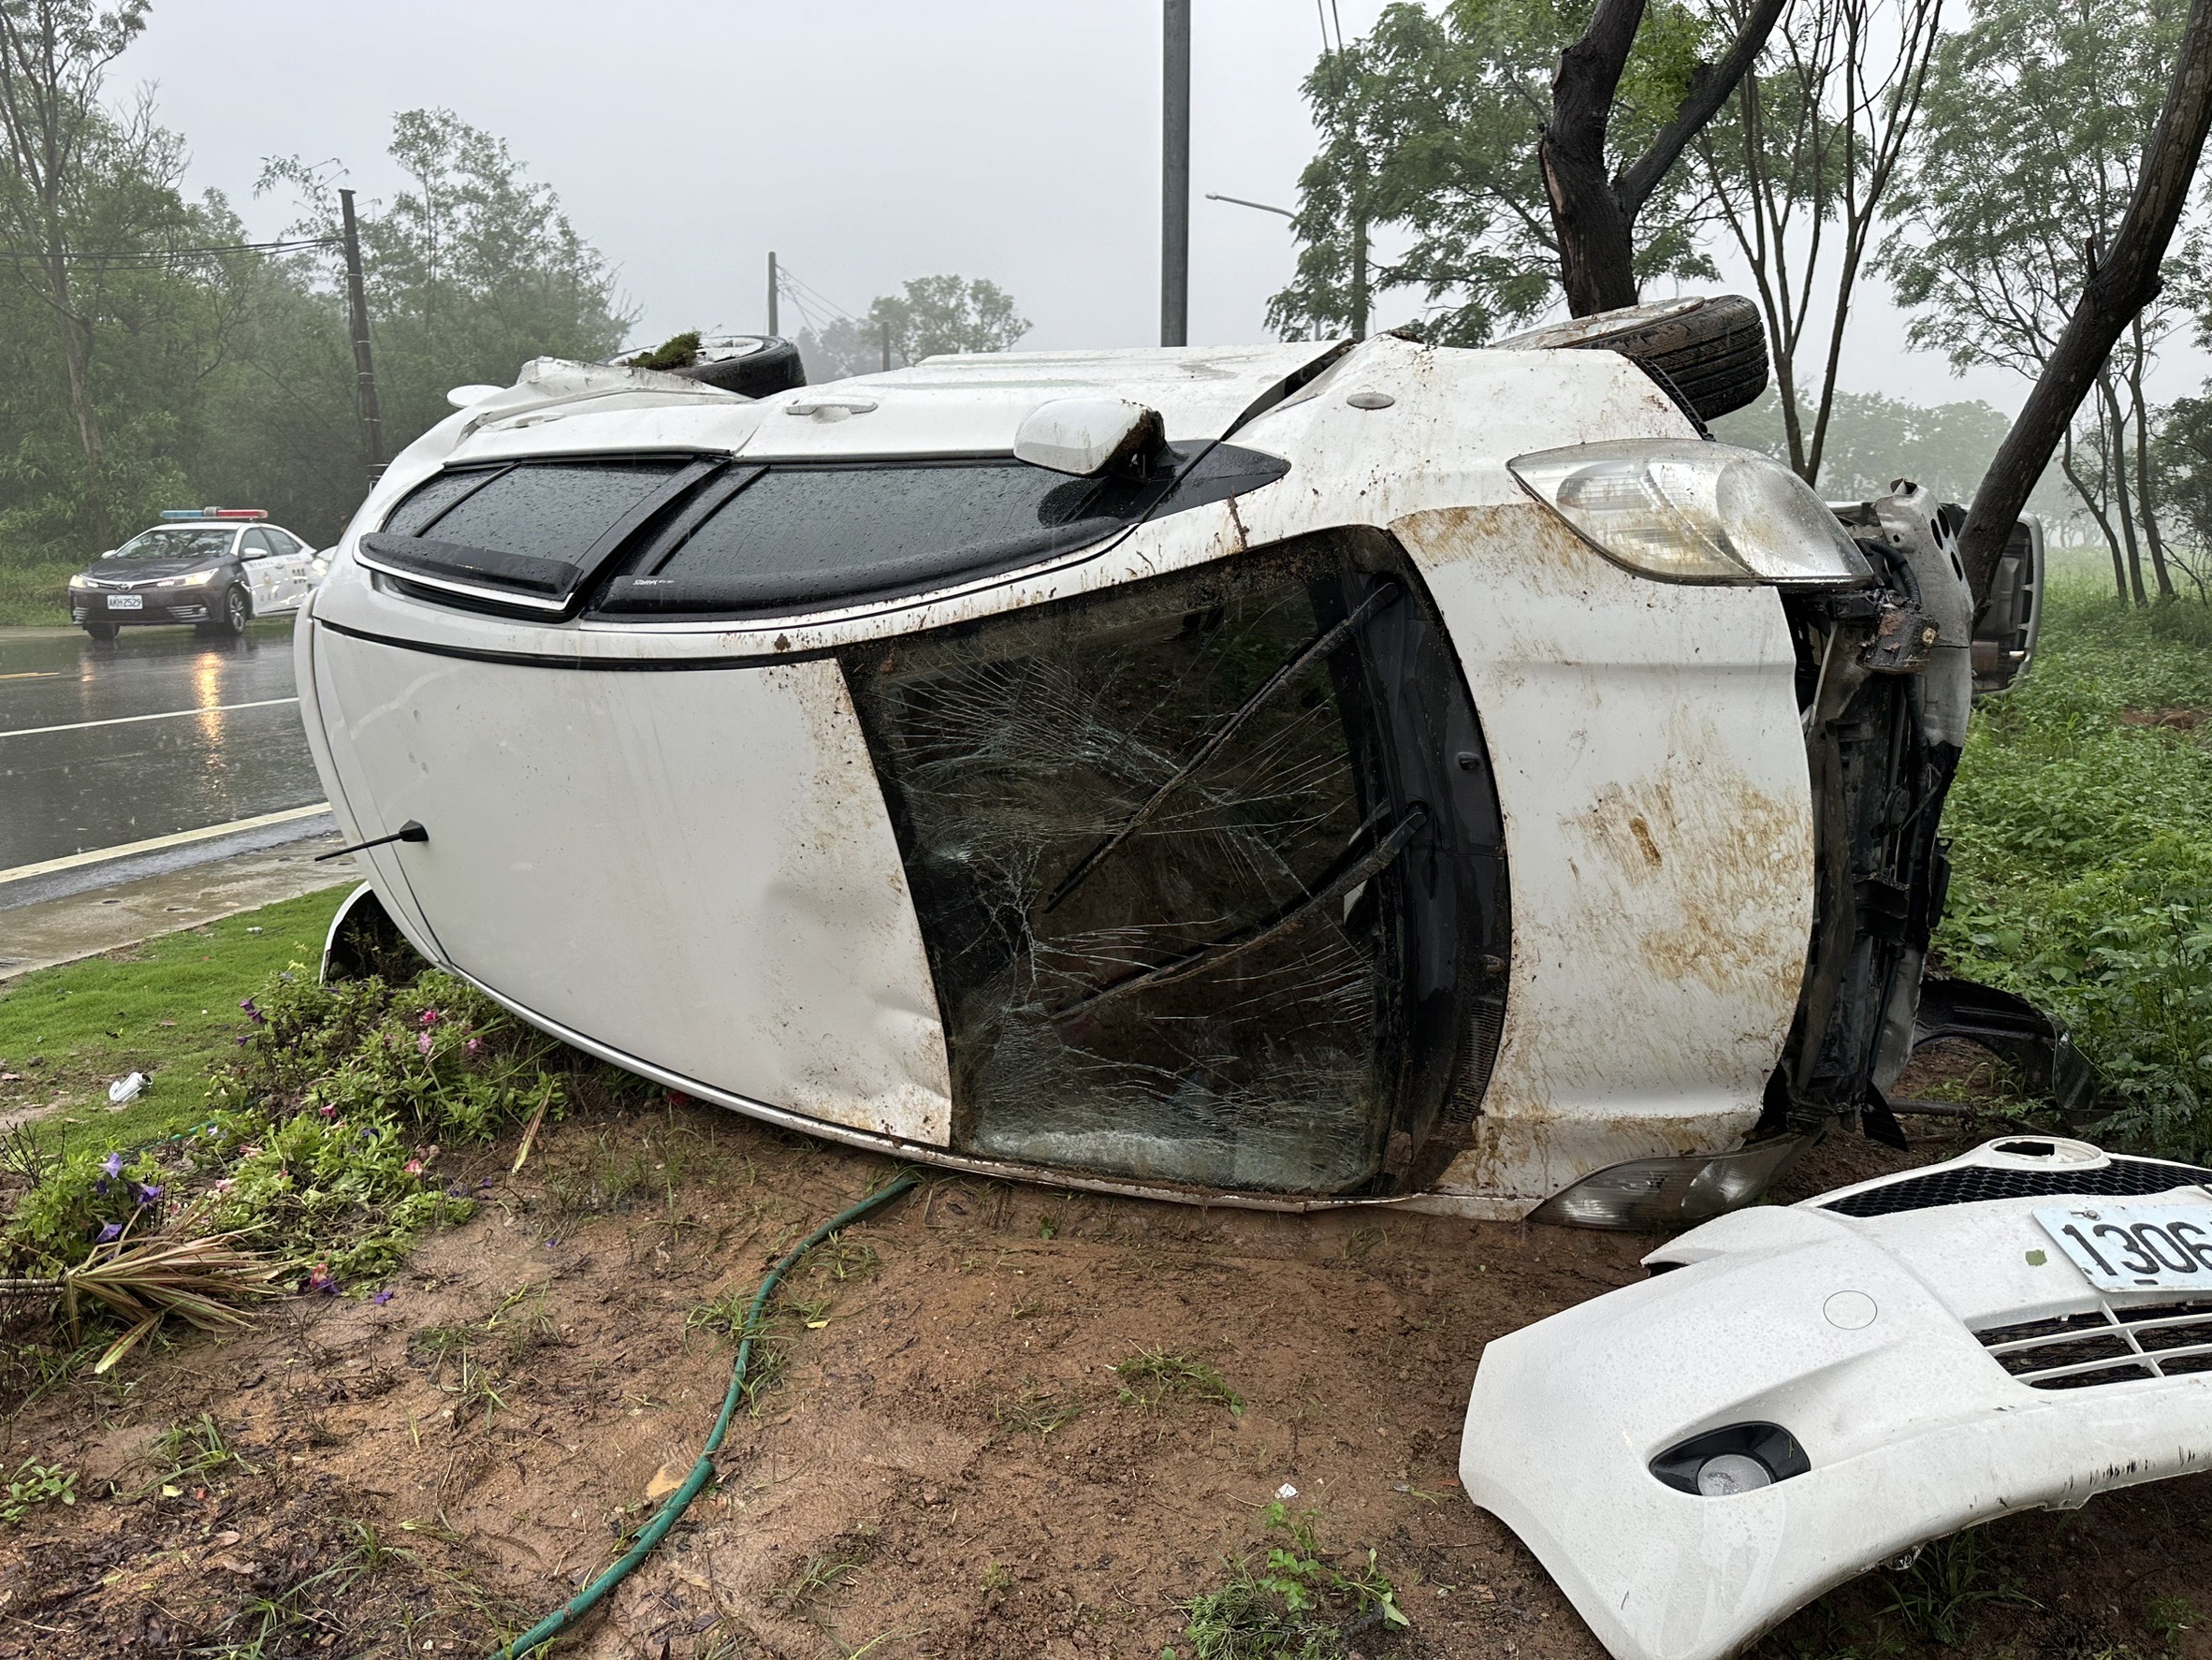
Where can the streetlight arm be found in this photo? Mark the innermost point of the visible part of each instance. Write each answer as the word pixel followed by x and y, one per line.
pixel 1239 201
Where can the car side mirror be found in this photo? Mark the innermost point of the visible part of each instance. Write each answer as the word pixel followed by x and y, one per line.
pixel 111 553
pixel 1086 436
pixel 2004 633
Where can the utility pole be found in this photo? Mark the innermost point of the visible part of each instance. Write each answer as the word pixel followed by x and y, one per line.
pixel 772 285
pixel 887 345
pixel 1175 192
pixel 357 296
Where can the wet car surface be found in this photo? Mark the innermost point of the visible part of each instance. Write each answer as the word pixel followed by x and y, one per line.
pixel 72 783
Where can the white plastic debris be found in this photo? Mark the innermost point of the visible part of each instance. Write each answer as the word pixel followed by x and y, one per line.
pixel 1286 1491
pixel 124 1090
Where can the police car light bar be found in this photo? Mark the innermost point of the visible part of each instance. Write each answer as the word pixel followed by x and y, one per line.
pixel 214 513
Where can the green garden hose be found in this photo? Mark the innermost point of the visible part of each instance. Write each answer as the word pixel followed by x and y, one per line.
pixel 569 1612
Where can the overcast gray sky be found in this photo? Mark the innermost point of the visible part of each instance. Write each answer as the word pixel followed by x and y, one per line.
pixel 866 141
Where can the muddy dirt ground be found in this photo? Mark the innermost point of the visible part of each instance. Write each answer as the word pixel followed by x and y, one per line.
pixel 943 1465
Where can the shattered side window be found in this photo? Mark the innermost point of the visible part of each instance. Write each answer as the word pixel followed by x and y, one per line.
pixel 1209 869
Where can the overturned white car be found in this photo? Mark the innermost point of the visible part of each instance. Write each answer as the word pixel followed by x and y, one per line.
pixel 1289 774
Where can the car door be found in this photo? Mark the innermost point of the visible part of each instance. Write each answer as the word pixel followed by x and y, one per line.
pixel 264 574
pixel 290 560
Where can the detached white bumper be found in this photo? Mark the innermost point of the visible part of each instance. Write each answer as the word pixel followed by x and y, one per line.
pixel 1857 1336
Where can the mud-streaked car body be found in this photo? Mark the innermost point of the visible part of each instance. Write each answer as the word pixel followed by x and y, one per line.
pixel 217 569
pixel 1321 801
pixel 1802 1392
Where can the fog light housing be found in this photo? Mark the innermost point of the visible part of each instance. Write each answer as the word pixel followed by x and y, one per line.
pixel 1722 1463
pixel 1646 1193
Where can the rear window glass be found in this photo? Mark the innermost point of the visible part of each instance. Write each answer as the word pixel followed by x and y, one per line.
pixel 548 511
pixel 802 533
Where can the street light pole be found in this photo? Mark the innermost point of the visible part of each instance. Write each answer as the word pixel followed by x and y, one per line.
pixel 1174 194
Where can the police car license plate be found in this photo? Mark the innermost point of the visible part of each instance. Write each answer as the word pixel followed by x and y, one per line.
pixel 126 601
pixel 2131 1248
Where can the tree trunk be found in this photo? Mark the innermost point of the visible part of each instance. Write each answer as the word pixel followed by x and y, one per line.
pixel 2120 568
pixel 2116 451
pixel 77 350
pixel 1594 218
pixel 2123 282
pixel 2145 507
pixel 1597 255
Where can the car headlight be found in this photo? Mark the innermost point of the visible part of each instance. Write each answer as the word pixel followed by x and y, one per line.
pixel 1691 511
pixel 79 582
pixel 196 579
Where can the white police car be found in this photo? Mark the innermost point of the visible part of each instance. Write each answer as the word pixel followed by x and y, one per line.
pixel 215 567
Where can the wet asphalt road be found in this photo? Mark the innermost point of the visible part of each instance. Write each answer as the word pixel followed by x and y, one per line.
pixel 99 779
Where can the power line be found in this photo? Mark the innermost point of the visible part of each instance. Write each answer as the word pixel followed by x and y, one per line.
pixel 159 256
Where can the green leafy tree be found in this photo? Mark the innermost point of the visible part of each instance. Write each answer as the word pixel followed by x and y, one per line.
pixel 929 316
pixel 472 271
pixel 2022 167
pixel 1429 128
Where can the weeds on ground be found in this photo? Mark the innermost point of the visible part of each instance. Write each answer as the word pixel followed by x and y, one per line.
pixel 31 1485
pixel 1294 1602
pixel 1947 1582
pixel 1035 1412
pixel 2083 875
pixel 193 1451
pixel 1150 1376
pixel 2168 1617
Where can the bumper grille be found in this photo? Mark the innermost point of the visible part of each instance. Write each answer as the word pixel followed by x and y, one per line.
pixel 2123 1178
pixel 2109 1346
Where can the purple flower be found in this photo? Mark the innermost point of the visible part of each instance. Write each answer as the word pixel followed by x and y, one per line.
pixel 252 1012
pixel 114 1230
pixel 381 1298
pixel 485 1183
pixel 551 1242
pixel 149 1192
pixel 422 1044
pixel 100 1187
pixel 113 1164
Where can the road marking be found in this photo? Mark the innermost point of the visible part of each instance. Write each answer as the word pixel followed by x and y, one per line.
pixel 153 844
pixel 221 708
pixel 35 674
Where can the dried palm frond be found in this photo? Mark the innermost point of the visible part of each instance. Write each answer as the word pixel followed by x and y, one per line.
pixel 200 1280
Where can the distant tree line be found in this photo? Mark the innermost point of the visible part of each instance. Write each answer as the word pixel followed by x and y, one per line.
pixel 148 358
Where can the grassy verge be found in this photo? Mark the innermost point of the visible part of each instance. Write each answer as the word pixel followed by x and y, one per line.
pixel 36 596
pixel 2082 840
pixel 170 1011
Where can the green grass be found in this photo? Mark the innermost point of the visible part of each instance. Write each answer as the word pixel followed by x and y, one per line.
pixel 2082 848
pixel 36 596
pixel 1150 1376
pixel 70 1031
pixel 1295 1603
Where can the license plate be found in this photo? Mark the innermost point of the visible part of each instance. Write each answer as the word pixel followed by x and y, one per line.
pixel 126 602
pixel 2131 1248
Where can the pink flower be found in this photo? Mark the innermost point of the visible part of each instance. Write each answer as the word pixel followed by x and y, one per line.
pixel 474 1045
pixel 328 1112
pixel 432 1016
pixel 422 1044
pixel 413 1167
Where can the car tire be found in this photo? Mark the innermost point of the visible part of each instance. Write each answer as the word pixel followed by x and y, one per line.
pixel 1709 352
pixel 103 630
pixel 232 616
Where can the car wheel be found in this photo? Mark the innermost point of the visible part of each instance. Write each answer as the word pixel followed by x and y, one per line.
pixel 1710 352
pixel 103 630
pixel 238 610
